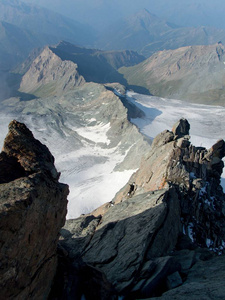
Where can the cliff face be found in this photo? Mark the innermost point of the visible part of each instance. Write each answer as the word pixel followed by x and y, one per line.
pixel 32 211
pixel 145 240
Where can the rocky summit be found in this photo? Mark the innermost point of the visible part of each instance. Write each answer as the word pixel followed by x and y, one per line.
pixel 32 211
pixel 166 221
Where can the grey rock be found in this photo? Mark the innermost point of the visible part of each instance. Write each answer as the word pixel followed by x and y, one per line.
pixel 166 266
pixel 77 234
pixel 205 281
pixel 195 171
pixel 119 248
pixel 181 128
pixel 173 280
pixel 186 258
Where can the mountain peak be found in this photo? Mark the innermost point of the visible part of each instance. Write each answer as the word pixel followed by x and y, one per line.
pixel 145 12
pixel 49 74
pixel 145 16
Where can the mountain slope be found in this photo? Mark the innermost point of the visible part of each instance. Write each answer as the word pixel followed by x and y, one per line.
pixel 194 73
pixel 96 65
pixel 146 33
pixel 95 147
pixel 182 12
pixel 44 21
pixel 16 43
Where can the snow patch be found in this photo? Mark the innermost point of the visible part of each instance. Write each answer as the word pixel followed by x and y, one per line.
pixel 190 231
pixel 208 243
pixel 96 134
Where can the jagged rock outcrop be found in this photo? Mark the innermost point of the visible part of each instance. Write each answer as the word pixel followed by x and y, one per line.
pixel 147 238
pixel 33 207
pixel 195 172
pixel 50 75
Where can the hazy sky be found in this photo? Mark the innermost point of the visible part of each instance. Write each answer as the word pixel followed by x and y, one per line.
pixel 102 12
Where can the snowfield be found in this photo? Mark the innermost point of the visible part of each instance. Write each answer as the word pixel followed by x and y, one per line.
pixel 207 122
pixel 84 158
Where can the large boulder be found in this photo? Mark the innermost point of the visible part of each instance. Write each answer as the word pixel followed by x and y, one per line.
pixel 33 207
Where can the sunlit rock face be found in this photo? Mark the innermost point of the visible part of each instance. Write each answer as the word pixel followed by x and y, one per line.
pixel 49 75
pixel 33 207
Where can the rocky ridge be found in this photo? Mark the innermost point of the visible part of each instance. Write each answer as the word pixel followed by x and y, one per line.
pixel 33 207
pixel 148 237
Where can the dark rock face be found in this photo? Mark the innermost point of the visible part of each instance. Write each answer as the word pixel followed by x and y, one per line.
pixel 181 128
pixel 145 241
pixel 32 211
pixel 205 281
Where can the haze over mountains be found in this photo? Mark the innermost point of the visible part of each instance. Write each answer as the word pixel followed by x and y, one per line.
pixel 43 21
pixel 100 13
pixel 25 27
pixel 142 30
pixel 146 33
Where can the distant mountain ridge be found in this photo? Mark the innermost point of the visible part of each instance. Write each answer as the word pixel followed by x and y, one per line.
pixel 24 27
pixel 44 21
pixel 146 33
pixel 194 73
pixel 16 43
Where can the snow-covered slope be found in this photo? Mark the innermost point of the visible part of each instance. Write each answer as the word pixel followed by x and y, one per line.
pixel 96 148
pixel 207 122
